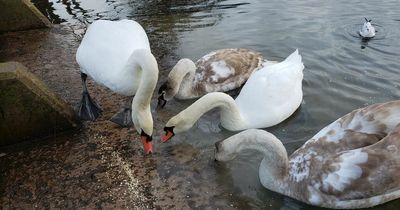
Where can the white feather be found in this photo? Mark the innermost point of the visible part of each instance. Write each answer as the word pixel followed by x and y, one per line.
pixel 105 50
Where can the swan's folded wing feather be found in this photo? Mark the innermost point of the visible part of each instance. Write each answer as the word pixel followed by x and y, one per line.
pixel 362 173
pixel 359 125
pixel 226 69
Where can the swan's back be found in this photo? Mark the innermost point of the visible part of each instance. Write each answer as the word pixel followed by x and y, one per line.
pixel 223 70
pixel 357 129
pixel 272 93
pixel 105 49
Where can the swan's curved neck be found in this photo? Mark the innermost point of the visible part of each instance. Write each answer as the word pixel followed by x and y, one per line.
pixel 274 166
pixel 145 69
pixel 144 60
pixel 182 75
pixel 230 115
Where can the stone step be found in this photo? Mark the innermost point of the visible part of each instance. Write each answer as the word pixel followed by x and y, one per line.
pixel 28 109
pixel 16 15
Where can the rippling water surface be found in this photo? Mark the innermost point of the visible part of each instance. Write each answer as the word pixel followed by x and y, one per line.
pixel 342 72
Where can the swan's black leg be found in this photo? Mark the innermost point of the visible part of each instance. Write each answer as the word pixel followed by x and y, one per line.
pixel 88 109
pixel 124 117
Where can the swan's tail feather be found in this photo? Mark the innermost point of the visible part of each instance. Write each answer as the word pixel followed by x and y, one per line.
pixel 295 57
pixel 292 63
pixel 292 67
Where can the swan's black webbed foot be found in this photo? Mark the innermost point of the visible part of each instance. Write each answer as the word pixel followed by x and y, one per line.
pixel 123 118
pixel 88 109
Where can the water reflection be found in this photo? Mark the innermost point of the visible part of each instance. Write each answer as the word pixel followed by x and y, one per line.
pixel 163 20
pixel 73 11
pixel 49 10
pixel 364 43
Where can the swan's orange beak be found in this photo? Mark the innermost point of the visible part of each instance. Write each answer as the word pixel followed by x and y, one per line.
pixel 147 145
pixel 168 135
pixel 146 141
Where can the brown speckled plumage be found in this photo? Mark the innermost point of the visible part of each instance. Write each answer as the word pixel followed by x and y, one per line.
pixel 353 162
pixel 373 133
pixel 219 71
pixel 242 62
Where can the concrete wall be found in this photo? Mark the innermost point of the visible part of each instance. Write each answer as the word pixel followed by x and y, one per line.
pixel 16 15
pixel 28 109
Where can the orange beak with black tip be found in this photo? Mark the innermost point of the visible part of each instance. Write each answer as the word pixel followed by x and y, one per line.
pixel 147 144
pixel 169 133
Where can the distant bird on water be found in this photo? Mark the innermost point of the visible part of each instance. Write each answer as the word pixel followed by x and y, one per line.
pixel 367 30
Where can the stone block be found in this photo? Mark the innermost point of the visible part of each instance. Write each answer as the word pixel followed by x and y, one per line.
pixel 16 15
pixel 28 109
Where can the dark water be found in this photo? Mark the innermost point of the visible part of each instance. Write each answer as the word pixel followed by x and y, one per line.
pixel 342 73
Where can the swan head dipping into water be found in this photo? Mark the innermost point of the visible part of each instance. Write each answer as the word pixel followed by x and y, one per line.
pixel 270 95
pixel 123 62
pixel 180 72
pixel 230 116
pixel 220 70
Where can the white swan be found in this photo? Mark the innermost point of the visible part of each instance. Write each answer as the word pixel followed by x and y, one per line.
pixel 352 163
pixel 219 71
pixel 117 54
pixel 269 96
pixel 367 30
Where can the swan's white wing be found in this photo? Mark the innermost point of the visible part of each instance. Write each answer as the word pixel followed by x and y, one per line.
pixel 273 93
pixel 106 47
